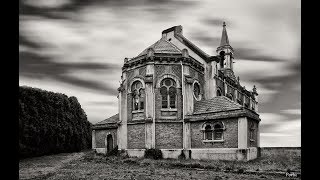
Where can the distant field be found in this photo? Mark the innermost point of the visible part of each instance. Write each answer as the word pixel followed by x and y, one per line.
pixel 273 164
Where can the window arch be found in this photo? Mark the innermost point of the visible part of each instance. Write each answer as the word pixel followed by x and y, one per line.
pixel 138 96
pixel 196 90
pixel 218 131
pixel 219 92
pixel 208 132
pixel 229 95
pixel 168 93
pixel 213 132
pixel 251 131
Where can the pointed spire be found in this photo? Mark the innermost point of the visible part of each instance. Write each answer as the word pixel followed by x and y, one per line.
pixel 224 38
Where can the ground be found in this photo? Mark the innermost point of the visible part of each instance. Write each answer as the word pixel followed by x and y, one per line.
pixel 87 165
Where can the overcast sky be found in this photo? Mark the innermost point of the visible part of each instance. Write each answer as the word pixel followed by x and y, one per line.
pixel 77 47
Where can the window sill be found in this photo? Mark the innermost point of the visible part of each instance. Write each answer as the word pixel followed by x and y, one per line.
pixel 212 141
pixel 168 109
pixel 137 111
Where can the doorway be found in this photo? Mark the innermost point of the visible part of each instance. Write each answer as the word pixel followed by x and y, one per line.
pixel 109 143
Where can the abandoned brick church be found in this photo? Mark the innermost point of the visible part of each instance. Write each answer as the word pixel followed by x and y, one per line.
pixel 176 98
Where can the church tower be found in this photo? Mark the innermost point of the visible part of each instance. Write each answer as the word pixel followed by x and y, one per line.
pixel 225 51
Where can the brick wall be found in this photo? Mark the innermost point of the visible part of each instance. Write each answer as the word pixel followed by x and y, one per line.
pixel 230 135
pixel 102 134
pixel 169 135
pixel 255 125
pixel 136 136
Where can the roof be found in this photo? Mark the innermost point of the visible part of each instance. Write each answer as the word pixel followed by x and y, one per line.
pixel 162 46
pixel 217 107
pixel 178 34
pixel 216 104
pixel 110 122
pixel 224 38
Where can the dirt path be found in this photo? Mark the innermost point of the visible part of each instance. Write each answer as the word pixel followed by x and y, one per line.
pixel 40 167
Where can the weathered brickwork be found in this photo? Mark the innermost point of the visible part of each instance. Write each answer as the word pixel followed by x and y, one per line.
pixel 101 136
pixel 136 136
pixel 169 135
pixel 230 135
pixel 252 142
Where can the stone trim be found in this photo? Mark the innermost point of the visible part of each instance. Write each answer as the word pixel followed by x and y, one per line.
pixel 174 77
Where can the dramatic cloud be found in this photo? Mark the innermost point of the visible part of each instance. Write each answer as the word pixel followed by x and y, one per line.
pixel 77 47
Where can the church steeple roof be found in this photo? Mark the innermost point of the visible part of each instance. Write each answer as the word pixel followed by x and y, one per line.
pixel 224 38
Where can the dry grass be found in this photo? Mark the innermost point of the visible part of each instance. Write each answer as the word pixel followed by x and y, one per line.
pixel 87 165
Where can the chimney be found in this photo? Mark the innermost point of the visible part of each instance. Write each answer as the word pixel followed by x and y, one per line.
pixel 174 29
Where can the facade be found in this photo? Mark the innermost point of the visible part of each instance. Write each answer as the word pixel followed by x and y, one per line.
pixel 176 98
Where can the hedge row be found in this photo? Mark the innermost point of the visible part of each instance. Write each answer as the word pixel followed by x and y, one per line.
pixel 51 123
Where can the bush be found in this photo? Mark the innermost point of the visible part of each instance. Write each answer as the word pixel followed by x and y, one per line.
pixel 153 154
pixel 182 155
pixel 51 123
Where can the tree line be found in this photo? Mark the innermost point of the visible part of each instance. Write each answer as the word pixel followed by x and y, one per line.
pixel 51 123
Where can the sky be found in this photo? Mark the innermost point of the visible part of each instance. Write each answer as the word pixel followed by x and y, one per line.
pixel 77 47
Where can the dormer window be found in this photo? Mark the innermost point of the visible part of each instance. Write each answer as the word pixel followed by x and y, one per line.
pixel 168 93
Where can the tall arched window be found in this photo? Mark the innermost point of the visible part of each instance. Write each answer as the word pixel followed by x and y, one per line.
pixel 208 132
pixel 251 131
pixel 138 96
pixel 219 93
pixel 168 93
pixel 218 131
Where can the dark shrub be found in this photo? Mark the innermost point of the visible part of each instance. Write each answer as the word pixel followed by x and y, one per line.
pixel 153 154
pixel 51 123
pixel 114 152
pixel 182 155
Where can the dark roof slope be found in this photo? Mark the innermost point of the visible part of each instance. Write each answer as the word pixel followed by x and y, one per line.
pixel 111 122
pixel 112 119
pixel 218 108
pixel 162 46
pixel 216 104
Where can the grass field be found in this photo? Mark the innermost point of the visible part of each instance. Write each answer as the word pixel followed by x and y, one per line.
pixel 273 164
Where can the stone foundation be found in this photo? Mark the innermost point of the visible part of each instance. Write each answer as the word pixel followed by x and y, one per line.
pixel 228 154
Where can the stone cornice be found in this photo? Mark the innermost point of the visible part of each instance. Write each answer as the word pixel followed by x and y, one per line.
pixel 162 58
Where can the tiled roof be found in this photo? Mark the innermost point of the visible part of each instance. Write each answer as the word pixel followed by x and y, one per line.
pixel 162 46
pixel 216 104
pixel 112 119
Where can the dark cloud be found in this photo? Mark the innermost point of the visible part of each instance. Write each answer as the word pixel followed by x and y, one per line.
pixel 204 39
pixel 254 55
pixel 61 12
pixel 214 21
pixel 36 66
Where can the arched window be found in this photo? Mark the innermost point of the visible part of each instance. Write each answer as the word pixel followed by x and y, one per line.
pixel 218 131
pixel 196 90
pixel 138 96
pixel 219 93
pixel 229 95
pixel 168 93
pixel 251 131
pixel 208 132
